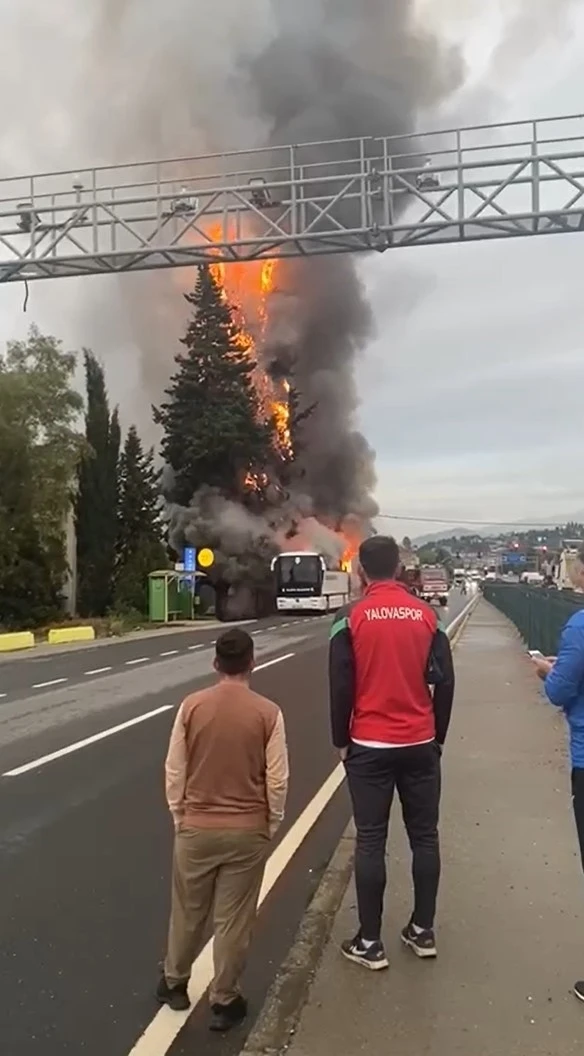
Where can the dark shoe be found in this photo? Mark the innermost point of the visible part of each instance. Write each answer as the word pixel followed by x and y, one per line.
pixel 372 956
pixel 423 943
pixel 579 990
pixel 225 1017
pixel 175 997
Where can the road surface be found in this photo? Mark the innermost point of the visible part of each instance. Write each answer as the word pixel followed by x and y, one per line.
pixel 85 839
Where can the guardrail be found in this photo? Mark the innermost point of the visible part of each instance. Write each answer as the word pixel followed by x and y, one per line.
pixel 458 622
pixel 538 614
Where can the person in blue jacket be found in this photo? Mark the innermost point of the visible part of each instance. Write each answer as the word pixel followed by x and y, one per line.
pixel 563 678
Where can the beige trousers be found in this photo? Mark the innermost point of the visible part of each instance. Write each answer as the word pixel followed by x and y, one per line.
pixel 216 877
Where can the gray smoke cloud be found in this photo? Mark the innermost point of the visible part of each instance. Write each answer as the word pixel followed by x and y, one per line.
pixel 265 73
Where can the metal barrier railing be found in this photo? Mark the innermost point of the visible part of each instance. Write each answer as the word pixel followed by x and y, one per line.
pixel 538 614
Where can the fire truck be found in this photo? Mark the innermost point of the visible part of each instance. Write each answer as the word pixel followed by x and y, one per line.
pixel 434 584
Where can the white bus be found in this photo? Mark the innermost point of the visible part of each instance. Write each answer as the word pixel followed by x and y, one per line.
pixel 305 584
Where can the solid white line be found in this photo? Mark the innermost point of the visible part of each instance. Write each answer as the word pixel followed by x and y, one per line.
pixel 139 660
pixel 98 671
pixel 270 663
pixel 166 1025
pixel 159 1036
pixel 170 652
pixel 53 682
pixel 44 759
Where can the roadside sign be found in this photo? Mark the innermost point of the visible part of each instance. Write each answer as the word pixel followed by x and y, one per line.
pixel 206 557
pixel 190 558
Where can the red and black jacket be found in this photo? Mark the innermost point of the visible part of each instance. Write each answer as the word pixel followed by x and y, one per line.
pixel 386 650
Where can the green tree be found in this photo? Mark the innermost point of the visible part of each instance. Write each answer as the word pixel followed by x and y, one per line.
pixel 139 546
pixel 214 433
pixel 29 590
pixel 96 507
pixel 41 446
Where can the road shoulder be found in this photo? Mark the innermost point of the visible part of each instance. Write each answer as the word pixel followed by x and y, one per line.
pixel 509 925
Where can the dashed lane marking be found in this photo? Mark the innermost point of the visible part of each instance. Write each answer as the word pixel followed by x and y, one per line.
pixel 270 663
pixel 51 682
pixel 169 652
pixel 70 748
pixel 43 760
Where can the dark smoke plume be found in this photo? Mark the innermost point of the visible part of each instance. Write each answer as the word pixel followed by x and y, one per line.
pixel 335 70
pixel 289 71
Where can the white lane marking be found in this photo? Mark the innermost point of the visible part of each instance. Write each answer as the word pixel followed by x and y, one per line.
pixel 170 652
pixel 44 759
pixel 201 646
pixel 158 1037
pixel 98 671
pixel 273 628
pixel 2 695
pixel 52 682
pixel 270 663
pixel 139 660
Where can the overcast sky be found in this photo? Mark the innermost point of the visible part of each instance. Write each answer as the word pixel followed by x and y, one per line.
pixel 473 390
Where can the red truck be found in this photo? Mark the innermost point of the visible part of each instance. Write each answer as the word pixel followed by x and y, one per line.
pixel 434 584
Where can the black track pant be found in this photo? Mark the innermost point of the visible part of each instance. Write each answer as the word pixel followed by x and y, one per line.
pixel 373 774
pixel 578 802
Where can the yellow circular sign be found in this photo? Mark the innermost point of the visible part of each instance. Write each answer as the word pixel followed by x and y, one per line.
pixel 206 557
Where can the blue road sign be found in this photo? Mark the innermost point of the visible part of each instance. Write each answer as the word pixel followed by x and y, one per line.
pixel 190 559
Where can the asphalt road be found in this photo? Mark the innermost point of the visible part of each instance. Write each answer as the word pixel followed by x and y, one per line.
pixel 85 840
pixel 47 666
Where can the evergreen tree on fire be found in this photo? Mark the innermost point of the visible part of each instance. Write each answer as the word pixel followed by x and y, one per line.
pixel 215 433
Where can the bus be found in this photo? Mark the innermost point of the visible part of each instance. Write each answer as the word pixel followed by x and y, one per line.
pixel 304 583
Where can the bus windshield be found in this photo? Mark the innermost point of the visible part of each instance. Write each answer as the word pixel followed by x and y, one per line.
pixel 300 572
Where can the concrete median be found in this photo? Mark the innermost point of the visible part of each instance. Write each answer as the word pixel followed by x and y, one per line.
pixel 17 640
pixel 66 635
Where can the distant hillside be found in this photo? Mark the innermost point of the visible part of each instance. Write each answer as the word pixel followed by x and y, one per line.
pixel 447 533
pixel 493 531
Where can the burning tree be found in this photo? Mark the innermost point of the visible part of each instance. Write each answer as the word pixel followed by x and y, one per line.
pixel 215 433
pixel 236 443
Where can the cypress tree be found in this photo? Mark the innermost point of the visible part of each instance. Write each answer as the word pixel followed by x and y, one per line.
pixel 96 507
pixel 139 547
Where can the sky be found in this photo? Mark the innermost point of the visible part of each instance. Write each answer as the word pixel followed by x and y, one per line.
pixel 473 387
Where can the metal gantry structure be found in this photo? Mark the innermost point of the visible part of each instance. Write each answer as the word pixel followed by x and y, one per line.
pixel 344 196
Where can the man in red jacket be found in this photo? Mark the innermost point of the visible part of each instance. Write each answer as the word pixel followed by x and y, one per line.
pixel 386 650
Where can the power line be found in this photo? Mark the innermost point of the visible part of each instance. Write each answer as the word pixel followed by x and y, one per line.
pixel 460 522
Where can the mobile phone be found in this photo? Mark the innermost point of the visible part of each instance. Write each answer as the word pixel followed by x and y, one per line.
pixel 535 654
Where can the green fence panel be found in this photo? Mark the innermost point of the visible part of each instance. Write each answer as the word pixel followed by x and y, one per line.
pixel 538 614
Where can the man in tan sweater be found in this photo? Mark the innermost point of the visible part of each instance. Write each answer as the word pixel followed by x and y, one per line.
pixel 226 786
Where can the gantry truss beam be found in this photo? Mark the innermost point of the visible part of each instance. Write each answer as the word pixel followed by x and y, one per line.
pixel 457 185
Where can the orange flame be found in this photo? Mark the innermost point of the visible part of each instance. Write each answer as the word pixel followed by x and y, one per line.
pixel 248 285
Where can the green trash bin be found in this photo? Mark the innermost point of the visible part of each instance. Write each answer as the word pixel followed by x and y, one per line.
pixel 157 597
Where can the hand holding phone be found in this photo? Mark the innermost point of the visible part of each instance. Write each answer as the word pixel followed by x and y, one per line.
pixel 535 654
